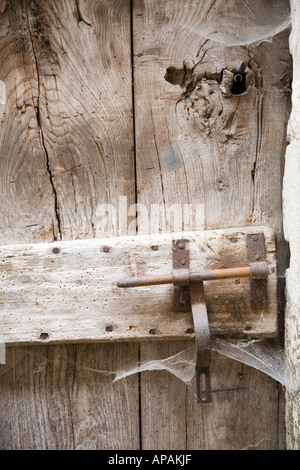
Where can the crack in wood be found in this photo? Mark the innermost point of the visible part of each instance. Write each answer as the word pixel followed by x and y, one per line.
pixel 41 134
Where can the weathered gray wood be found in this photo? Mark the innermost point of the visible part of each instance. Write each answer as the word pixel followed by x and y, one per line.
pixel 66 148
pixel 163 398
pixel 197 142
pixel 58 398
pixel 26 198
pixel 67 291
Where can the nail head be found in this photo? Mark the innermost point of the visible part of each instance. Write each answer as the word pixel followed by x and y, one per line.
pixel 44 336
pixel 152 331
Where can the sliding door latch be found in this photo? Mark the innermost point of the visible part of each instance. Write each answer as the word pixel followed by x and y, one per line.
pixel 189 295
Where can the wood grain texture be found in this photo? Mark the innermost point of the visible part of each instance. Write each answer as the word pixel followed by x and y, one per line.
pixel 67 73
pixel 66 148
pixel 67 291
pixel 58 398
pixel 27 198
pixel 198 142
pixel 85 108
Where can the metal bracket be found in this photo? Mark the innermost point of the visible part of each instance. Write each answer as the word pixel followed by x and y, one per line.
pixel 181 271
pixel 258 285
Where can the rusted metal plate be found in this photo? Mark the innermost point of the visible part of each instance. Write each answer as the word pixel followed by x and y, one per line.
pixel 181 262
pixel 258 287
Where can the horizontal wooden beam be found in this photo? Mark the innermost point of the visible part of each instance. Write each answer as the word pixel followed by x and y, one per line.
pixel 67 291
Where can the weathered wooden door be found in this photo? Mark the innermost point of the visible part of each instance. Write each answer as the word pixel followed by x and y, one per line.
pixel 102 99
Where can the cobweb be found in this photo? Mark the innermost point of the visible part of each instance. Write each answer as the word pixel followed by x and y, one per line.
pixel 259 354
pixel 217 20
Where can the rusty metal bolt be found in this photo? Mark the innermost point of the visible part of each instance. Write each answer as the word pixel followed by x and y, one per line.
pixel 153 331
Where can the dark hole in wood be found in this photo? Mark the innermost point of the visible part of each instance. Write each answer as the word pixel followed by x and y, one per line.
pixel 238 84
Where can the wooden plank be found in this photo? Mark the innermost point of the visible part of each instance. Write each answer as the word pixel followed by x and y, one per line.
pixel 197 143
pixel 60 399
pixel 26 198
pixel 85 109
pixel 183 424
pixel 167 392
pixel 237 399
pixel 67 291
pixel 66 149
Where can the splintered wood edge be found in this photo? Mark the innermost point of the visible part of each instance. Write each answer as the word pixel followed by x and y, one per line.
pixel 176 326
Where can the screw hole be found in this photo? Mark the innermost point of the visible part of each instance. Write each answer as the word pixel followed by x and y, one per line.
pixel 44 336
pixel 153 331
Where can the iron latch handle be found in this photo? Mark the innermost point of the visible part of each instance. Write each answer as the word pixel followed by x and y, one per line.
pixel 258 270
pixel 203 348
